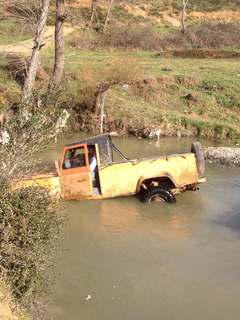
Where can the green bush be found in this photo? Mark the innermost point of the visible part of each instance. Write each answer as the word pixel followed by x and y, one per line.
pixel 30 223
pixel 130 38
pixel 30 220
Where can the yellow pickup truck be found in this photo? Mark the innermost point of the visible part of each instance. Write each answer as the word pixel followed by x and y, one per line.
pixel 155 179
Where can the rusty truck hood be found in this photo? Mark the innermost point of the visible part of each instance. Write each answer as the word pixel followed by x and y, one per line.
pixel 48 180
pixel 42 175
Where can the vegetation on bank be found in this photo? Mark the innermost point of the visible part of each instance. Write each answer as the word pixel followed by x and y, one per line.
pixel 187 96
pixel 29 223
pixel 30 220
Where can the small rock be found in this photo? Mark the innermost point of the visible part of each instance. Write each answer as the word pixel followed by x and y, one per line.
pixel 166 69
pixel 114 134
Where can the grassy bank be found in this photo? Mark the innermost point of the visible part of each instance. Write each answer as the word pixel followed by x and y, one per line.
pixel 179 96
pixel 30 219
pixel 191 96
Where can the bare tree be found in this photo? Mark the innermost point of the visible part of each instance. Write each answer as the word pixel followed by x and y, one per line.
pixel 108 14
pixel 38 44
pixel 184 5
pixel 116 73
pixel 59 41
pixel 25 13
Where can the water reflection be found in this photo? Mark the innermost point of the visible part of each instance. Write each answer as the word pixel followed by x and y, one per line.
pixel 121 216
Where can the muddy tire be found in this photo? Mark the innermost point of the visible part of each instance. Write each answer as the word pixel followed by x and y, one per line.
pixel 197 149
pixel 158 194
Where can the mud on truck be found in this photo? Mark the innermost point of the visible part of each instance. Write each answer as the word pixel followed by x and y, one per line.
pixel 155 179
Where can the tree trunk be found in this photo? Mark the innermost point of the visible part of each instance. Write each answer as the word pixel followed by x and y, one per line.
pixel 59 41
pixel 94 15
pixel 38 43
pixel 93 12
pixel 184 5
pixel 99 99
pixel 102 101
pixel 108 14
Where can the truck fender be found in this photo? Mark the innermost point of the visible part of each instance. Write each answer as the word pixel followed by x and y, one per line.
pixel 162 175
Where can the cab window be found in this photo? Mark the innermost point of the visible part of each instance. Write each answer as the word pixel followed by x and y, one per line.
pixel 74 158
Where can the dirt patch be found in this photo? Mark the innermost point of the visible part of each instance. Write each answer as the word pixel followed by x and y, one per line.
pixel 25 47
pixel 226 15
pixel 175 22
pixel 200 54
pixel 79 4
pixel 5 310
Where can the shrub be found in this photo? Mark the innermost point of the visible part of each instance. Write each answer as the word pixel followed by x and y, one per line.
pixel 84 40
pixel 120 13
pixel 17 68
pixel 212 5
pixel 130 38
pixel 204 35
pixel 214 36
pixel 30 222
pixel 31 131
pixel 79 16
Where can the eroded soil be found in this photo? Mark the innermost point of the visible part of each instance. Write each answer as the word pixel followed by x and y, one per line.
pixel 200 54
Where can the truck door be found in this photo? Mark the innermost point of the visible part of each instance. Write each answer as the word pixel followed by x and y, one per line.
pixel 75 176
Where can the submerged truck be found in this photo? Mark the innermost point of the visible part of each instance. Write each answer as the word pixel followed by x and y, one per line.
pixel 155 179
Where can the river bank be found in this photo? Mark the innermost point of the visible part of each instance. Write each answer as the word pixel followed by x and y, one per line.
pixel 223 155
pixel 180 97
pixel 6 312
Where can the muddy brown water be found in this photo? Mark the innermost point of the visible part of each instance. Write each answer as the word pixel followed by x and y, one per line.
pixel 126 260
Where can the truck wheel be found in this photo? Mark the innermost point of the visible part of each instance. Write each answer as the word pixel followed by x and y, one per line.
pixel 197 149
pixel 158 194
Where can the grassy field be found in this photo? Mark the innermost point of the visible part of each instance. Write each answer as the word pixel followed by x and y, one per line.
pixel 9 33
pixel 190 96
pixel 186 96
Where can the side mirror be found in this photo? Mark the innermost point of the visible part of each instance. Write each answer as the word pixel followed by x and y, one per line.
pixel 57 168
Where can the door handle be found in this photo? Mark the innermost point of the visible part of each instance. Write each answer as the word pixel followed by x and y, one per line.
pixel 82 180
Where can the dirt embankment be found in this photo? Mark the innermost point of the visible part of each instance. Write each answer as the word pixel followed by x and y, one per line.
pixel 138 8
pixel 200 54
pixel 225 15
pixel 5 310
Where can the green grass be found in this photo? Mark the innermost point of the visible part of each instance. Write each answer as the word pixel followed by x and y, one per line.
pixel 214 83
pixel 222 70
pixel 9 33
